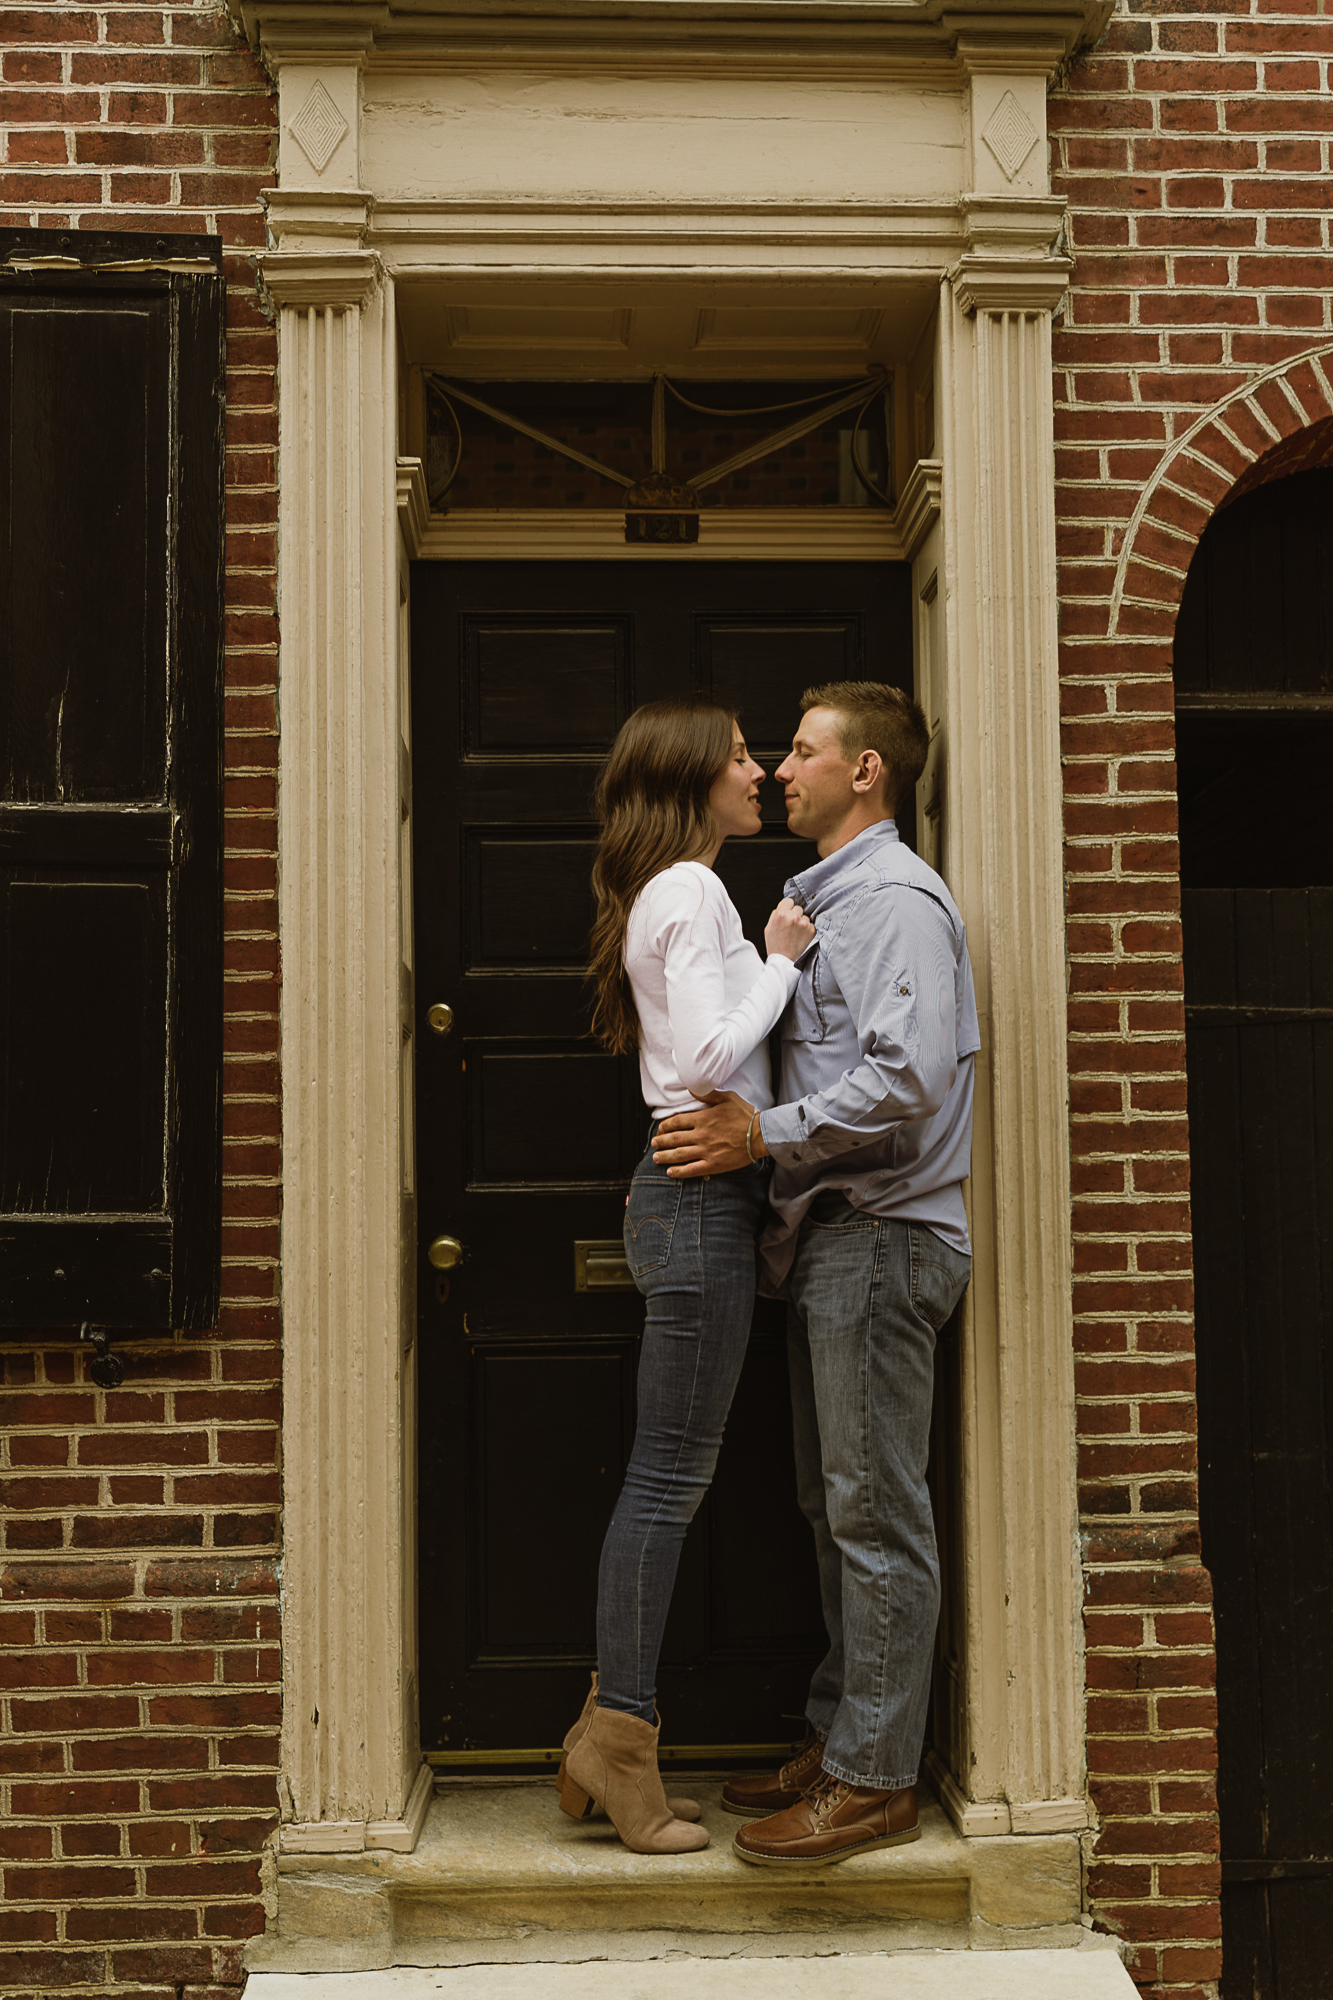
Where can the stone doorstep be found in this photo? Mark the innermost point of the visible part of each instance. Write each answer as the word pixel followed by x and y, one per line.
pixel 501 1875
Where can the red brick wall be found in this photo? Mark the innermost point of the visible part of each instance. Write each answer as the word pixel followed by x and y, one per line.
pixel 139 1751
pixel 139 1666
pixel 1192 146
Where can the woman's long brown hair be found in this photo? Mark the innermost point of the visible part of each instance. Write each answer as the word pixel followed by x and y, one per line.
pixel 652 801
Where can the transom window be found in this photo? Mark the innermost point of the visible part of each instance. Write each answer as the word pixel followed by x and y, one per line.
pixel 734 444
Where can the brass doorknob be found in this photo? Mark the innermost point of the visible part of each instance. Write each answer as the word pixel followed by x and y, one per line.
pixel 445 1252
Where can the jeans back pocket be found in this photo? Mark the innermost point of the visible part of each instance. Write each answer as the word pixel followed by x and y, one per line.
pixel 939 1275
pixel 650 1220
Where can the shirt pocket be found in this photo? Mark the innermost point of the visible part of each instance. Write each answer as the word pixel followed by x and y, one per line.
pixel 805 1019
pixel 650 1222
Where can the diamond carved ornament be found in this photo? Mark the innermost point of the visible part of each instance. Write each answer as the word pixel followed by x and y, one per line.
pixel 318 128
pixel 1010 134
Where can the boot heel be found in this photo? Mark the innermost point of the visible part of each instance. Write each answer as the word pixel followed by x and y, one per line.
pixel 575 1801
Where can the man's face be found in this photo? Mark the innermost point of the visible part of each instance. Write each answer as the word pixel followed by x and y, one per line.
pixel 817 777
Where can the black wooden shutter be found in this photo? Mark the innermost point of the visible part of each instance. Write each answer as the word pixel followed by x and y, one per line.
pixel 111 407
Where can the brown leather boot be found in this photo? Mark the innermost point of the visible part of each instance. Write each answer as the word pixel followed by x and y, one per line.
pixel 758 1793
pixel 831 1823
pixel 688 1809
pixel 614 1766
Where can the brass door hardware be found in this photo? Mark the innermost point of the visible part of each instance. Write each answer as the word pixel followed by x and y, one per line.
pixel 440 1017
pixel 601 1267
pixel 445 1252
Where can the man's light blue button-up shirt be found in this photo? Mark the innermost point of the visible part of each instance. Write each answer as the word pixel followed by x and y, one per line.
pixel 878 1038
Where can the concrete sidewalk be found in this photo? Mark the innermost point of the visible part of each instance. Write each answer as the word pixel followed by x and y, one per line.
pixel 1091 1972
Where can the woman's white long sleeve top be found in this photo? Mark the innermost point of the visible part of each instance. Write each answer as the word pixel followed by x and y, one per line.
pixel 706 1000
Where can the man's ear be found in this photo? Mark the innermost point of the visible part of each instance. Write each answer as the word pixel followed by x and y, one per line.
pixel 869 766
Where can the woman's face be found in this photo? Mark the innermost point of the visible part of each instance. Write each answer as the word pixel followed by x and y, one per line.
pixel 734 798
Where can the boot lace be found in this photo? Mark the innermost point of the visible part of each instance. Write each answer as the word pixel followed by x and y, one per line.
pixel 789 1774
pixel 825 1795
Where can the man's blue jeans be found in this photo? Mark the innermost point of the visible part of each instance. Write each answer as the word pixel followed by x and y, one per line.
pixel 691 1247
pixel 867 1297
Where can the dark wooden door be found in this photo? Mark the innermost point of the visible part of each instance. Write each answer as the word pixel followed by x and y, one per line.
pixel 528 1134
pixel 1260 986
pixel 1254 692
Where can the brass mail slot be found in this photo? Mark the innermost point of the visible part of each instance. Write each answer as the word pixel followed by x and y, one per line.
pixel 601 1267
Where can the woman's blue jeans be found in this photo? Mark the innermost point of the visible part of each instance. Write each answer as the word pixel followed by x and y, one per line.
pixel 691 1247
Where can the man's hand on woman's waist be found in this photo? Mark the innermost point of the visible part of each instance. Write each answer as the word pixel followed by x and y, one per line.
pixel 710 1140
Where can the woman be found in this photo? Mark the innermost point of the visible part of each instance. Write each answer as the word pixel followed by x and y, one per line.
pixel 675 979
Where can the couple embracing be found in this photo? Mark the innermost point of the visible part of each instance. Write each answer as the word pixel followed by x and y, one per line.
pixel 850 1187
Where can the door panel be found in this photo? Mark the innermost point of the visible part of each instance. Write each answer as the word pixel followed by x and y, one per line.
pixel 531 1610
pixel 764 666
pixel 528 1134
pixel 539 686
pixel 580 1095
pixel 529 901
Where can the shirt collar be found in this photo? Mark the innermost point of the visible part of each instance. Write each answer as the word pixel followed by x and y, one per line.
pixel 808 888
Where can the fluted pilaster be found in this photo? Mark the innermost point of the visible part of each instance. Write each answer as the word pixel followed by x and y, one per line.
pixel 350 1758
pixel 1023 1767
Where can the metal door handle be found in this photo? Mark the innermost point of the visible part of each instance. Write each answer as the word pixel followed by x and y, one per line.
pixel 445 1252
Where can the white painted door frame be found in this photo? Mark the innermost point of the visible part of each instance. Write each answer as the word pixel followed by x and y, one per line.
pixel 985 571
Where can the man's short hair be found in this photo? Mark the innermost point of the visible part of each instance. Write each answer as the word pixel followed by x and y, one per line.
pixel 874 716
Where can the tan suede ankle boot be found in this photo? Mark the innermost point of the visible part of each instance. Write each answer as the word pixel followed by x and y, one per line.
pixel 688 1809
pixel 614 1765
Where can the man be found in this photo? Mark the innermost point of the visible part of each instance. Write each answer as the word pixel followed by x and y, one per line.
pixel 871 1143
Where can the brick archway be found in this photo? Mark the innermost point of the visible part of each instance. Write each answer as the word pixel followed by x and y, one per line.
pixel 1197 474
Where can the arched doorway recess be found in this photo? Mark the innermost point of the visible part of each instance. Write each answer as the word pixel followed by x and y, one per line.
pixel 1253 665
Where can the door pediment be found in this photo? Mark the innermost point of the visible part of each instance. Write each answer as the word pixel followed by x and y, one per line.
pixel 862 138
pixel 912 30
